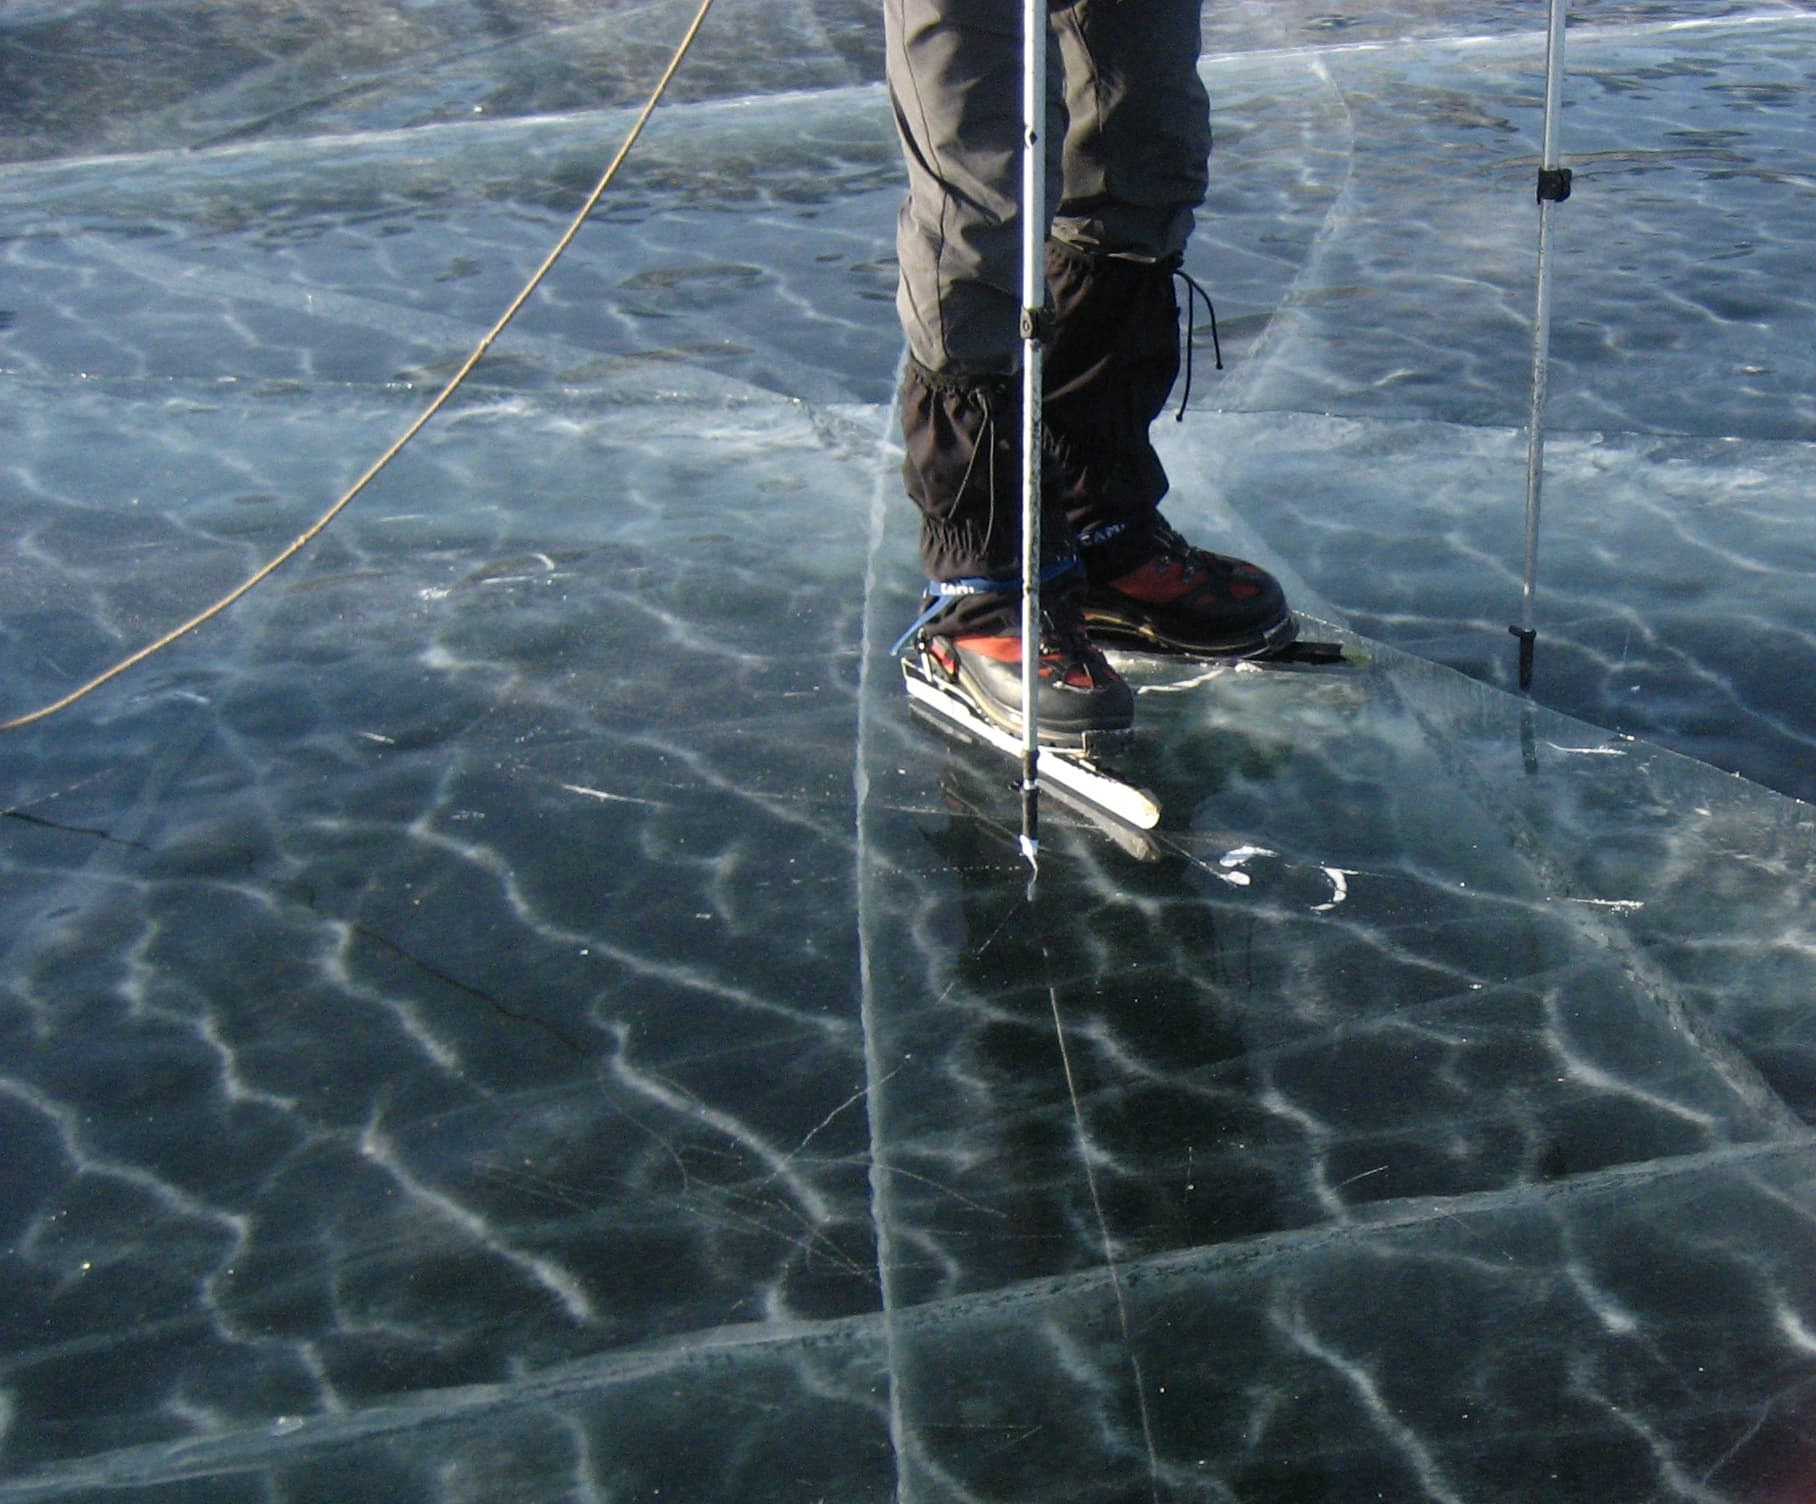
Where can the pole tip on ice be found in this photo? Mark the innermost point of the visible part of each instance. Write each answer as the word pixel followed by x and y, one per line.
pixel 1029 841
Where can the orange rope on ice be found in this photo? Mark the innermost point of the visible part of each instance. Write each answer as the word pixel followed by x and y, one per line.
pixel 304 539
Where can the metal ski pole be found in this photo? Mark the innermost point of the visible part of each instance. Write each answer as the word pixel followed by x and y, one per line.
pixel 1033 321
pixel 1553 188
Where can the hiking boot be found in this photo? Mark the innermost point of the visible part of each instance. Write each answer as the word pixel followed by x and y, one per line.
pixel 1148 588
pixel 1082 702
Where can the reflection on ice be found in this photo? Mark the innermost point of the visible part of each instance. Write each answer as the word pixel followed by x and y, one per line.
pixel 519 1009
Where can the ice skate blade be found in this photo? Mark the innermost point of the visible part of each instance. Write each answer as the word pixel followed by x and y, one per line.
pixel 1281 648
pixel 1072 770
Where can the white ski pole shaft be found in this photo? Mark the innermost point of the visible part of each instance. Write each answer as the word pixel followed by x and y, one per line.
pixel 1553 188
pixel 1033 301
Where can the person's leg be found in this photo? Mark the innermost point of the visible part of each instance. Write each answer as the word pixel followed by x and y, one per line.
pixel 954 73
pixel 1135 168
pixel 955 82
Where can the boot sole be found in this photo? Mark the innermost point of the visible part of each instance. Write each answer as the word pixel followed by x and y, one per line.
pixel 1112 628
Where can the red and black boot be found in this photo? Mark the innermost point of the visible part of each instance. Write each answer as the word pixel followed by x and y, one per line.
pixel 1149 588
pixel 1081 703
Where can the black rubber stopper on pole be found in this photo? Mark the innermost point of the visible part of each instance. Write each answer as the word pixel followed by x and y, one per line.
pixel 1527 636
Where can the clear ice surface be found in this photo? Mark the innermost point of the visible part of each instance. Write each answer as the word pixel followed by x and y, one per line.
pixel 520 1010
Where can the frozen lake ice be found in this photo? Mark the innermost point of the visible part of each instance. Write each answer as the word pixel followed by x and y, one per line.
pixel 519 1009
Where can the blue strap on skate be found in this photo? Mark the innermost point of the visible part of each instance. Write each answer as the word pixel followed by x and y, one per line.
pixel 944 592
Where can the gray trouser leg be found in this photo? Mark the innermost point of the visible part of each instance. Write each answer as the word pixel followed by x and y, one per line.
pixel 1138 134
pixel 1128 138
